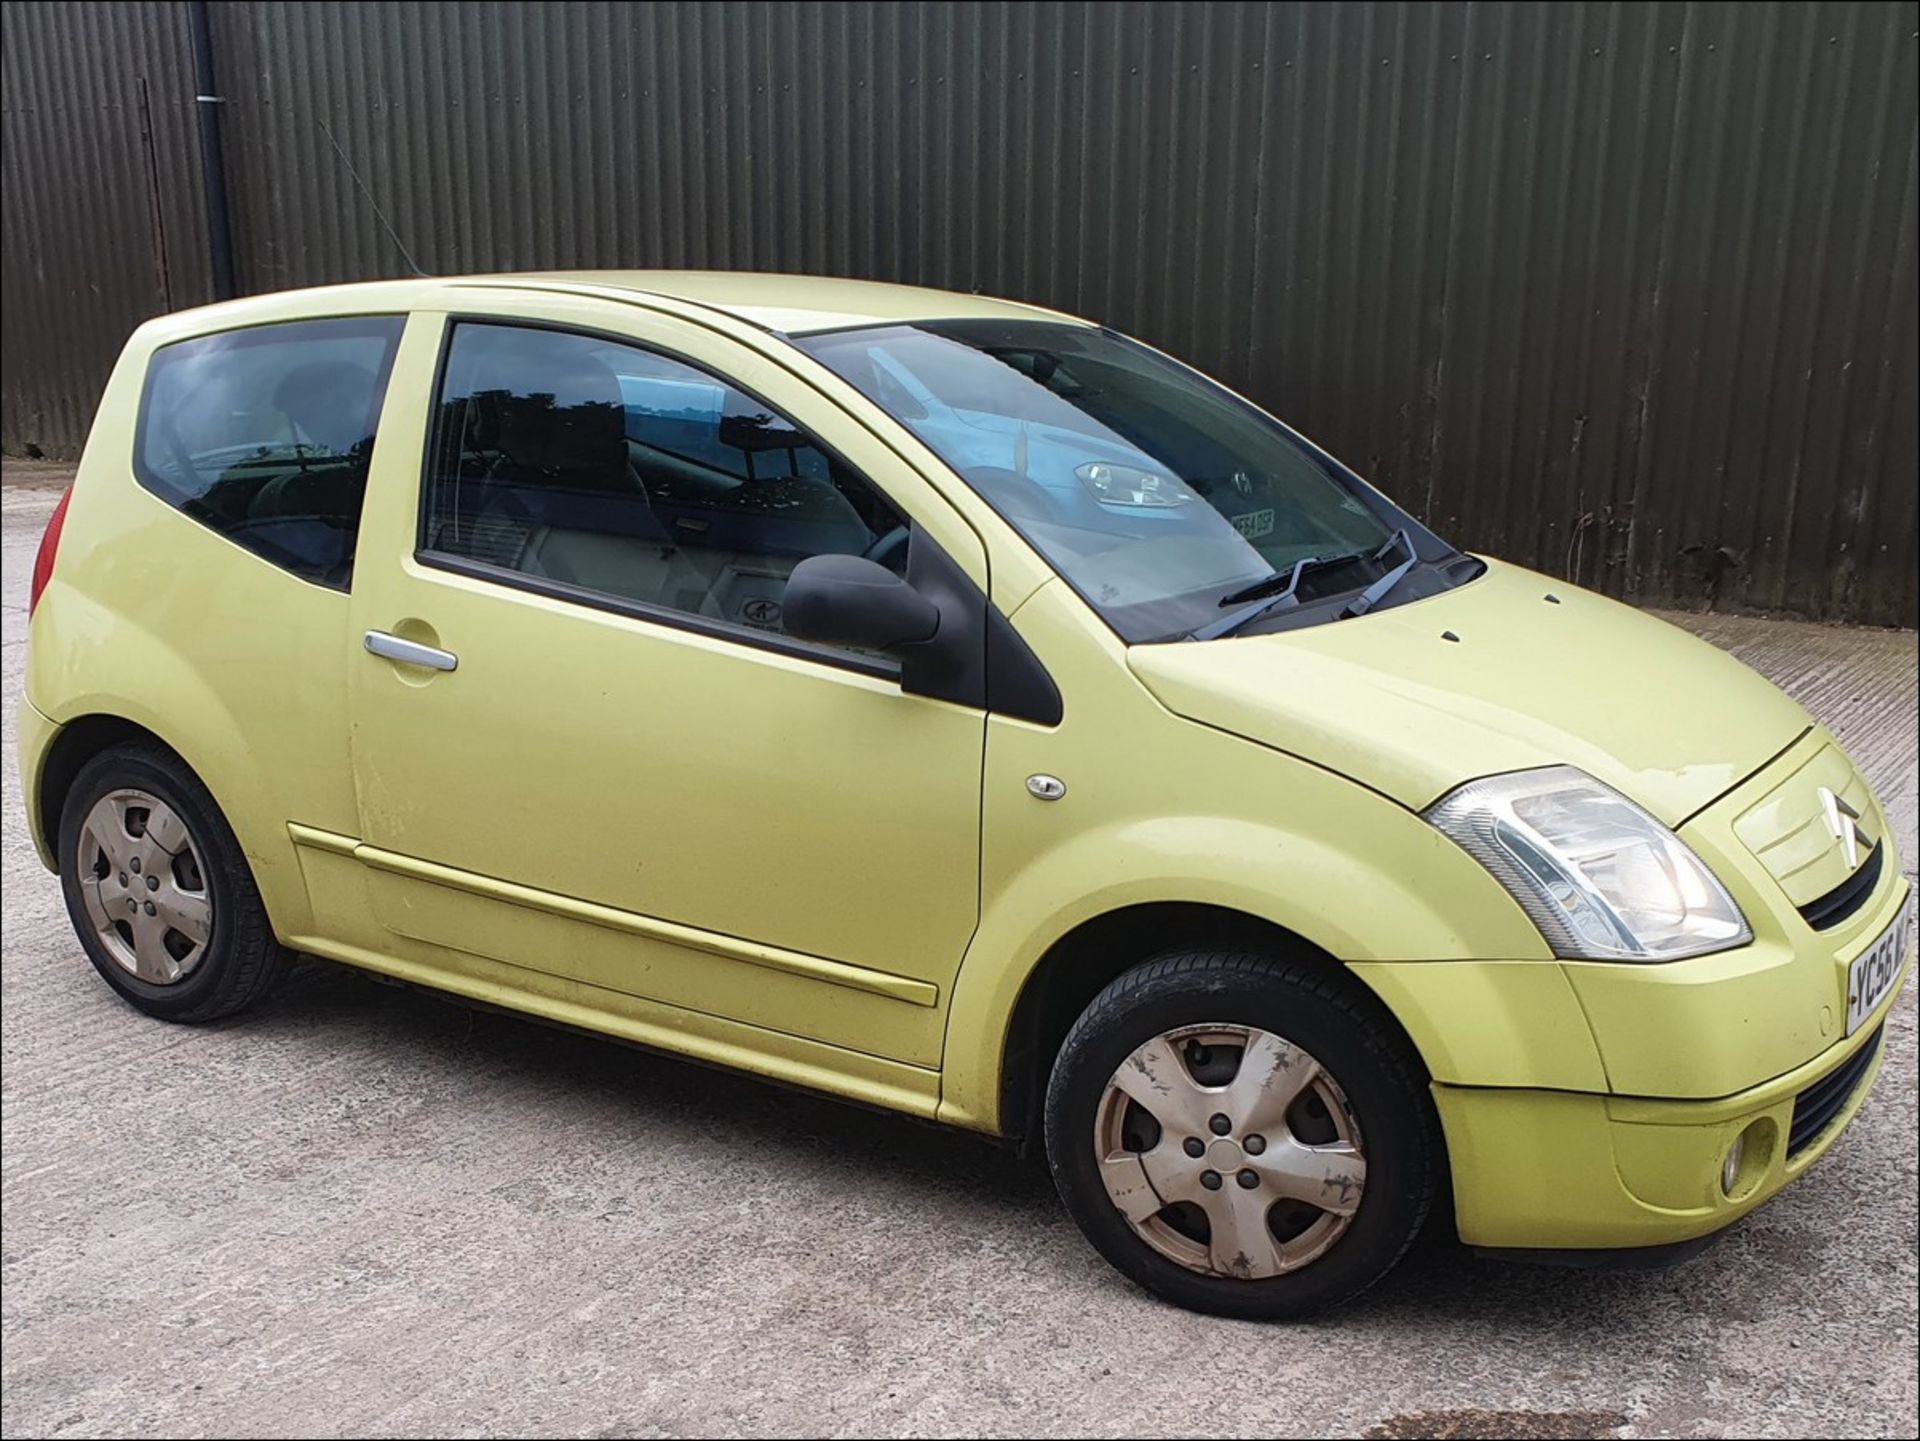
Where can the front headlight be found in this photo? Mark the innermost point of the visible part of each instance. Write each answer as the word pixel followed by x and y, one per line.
pixel 1601 878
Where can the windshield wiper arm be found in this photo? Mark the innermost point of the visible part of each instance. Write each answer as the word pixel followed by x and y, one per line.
pixel 1377 592
pixel 1276 591
pixel 1284 582
pixel 1279 589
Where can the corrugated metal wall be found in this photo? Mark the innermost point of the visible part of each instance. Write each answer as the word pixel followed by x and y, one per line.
pixel 98 229
pixel 1625 291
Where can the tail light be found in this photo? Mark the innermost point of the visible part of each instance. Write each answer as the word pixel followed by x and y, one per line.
pixel 49 548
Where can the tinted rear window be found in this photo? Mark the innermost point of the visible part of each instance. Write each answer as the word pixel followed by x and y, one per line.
pixel 265 434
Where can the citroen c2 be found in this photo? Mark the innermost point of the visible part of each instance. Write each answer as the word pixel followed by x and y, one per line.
pixel 960 708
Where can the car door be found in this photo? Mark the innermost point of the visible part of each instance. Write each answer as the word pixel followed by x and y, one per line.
pixel 585 750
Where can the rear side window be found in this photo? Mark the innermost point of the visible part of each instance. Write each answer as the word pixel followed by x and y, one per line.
pixel 265 434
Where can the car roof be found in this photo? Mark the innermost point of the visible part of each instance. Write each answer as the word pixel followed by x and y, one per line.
pixel 797 304
pixel 783 304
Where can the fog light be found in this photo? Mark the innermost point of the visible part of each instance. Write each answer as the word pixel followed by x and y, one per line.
pixel 1730 1168
pixel 1748 1159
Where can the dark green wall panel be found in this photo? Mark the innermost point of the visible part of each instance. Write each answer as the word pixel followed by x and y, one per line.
pixel 1622 291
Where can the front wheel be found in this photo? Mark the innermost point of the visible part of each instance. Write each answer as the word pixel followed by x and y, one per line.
pixel 1242 1135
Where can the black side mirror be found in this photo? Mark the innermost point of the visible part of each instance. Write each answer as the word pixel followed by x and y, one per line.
pixel 849 600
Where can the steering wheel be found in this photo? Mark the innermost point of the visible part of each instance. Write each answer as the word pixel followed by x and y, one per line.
pixel 891 548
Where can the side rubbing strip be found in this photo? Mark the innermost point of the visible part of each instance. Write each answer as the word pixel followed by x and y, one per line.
pixel 315 839
pixel 818 968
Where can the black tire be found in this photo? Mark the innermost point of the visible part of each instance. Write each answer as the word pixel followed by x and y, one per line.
pixel 1313 1006
pixel 241 960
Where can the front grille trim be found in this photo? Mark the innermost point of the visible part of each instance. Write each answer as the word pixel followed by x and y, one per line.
pixel 1815 1107
pixel 1823 913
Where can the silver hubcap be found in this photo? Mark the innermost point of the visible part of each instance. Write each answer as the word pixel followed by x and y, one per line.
pixel 144 886
pixel 1230 1151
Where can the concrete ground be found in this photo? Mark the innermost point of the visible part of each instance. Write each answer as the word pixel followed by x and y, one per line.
pixel 368 1212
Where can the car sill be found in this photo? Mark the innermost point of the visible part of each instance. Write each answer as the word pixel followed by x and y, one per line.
pixel 817 968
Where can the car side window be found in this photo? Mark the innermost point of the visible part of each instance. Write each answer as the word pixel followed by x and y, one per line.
pixel 628 474
pixel 265 435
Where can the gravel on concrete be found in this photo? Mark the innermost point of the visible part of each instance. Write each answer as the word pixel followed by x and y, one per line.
pixel 367 1211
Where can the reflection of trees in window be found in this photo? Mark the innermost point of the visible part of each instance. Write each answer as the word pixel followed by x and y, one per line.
pixel 523 435
pixel 759 433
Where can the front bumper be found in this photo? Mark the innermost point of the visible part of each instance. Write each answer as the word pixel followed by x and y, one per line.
pixel 1555 1170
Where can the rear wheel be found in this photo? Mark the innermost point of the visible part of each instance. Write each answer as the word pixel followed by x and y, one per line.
pixel 1242 1135
pixel 158 890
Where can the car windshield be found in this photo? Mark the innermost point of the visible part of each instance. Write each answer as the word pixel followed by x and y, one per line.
pixel 1162 498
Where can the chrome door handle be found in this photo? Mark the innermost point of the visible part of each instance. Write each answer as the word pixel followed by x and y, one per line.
pixel 410 652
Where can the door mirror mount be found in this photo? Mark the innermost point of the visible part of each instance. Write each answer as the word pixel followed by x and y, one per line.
pixel 849 600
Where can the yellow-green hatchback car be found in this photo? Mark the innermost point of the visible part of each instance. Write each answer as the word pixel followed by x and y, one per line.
pixel 964 709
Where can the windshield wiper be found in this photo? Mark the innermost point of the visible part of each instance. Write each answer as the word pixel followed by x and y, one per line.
pixel 1279 590
pixel 1377 592
pixel 1273 593
pixel 1283 582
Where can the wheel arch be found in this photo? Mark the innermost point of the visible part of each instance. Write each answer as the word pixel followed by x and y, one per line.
pixel 74 744
pixel 1093 953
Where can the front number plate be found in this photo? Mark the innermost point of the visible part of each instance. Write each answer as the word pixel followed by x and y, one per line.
pixel 1875 969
